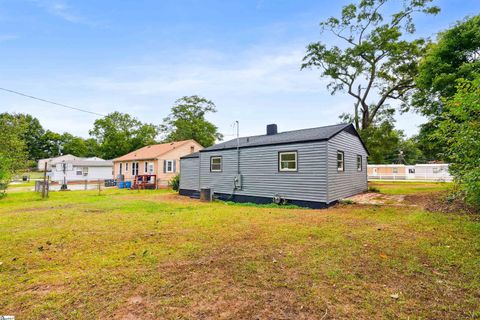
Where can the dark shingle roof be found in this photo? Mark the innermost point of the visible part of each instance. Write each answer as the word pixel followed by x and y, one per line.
pixel 191 155
pixel 303 135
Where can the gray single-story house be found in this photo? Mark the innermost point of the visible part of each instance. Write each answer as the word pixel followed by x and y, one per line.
pixel 311 167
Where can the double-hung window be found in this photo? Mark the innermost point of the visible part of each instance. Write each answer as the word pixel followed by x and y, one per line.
pixel 134 168
pixel 145 168
pixel 121 168
pixel 169 166
pixel 287 161
pixel 216 164
pixel 340 161
pixel 359 163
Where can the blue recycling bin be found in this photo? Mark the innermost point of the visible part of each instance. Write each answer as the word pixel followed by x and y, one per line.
pixel 128 184
pixel 121 185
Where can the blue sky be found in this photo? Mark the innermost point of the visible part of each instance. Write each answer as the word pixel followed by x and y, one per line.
pixel 140 56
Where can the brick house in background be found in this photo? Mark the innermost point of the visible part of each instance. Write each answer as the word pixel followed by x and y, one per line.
pixel 162 160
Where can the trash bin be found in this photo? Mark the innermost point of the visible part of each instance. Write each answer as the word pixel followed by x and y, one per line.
pixel 25 178
pixel 121 185
pixel 128 184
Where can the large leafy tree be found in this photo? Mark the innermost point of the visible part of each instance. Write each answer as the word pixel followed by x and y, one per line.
pixel 119 133
pixel 31 132
pixel 13 149
pixel 374 63
pixel 455 56
pixel 187 121
pixel 51 144
pixel 459 130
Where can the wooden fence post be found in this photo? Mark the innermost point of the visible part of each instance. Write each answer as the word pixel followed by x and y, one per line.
pixel 44 180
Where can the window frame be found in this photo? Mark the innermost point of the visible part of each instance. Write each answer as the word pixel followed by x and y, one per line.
pixel 280 153
pixel 359 169
pixel 135 168
pixel 343 161
pixel 166 166
pixel 152 166
pixel 221 163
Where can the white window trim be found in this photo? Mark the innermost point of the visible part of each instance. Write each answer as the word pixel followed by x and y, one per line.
pixel 359 169
pixel 280 154
pixel 211 163
pixel 342 168
pixel 171 166
pixel 135 169
pixel 152 167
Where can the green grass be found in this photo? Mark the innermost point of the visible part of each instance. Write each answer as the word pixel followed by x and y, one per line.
pixel 152 254
pixel 32 174
pixel 409 187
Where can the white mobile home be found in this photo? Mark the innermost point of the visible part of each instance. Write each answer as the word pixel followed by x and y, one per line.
pixel 82 170
pixel 310 167
pixel 432 171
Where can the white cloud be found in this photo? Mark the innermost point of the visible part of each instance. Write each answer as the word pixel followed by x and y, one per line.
pixel 254 72
pixel 64 11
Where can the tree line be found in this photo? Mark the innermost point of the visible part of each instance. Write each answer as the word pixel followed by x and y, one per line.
pixel 23 140
pixel 385 69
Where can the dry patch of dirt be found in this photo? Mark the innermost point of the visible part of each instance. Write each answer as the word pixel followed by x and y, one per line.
pixel 379 199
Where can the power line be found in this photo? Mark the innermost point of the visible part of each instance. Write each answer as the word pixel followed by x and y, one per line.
pixel 51 102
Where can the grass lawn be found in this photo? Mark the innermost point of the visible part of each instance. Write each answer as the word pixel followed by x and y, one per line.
pixel 155 255
pixel 408 187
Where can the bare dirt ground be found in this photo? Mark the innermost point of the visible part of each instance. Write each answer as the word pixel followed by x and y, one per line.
pixel 380 199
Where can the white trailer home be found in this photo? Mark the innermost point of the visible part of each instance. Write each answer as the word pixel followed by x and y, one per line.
pixel 81 170
pixel 432 171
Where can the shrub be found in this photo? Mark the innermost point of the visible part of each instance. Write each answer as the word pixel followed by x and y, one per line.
pixel 460 131
pixel 373 189
pixel 174 183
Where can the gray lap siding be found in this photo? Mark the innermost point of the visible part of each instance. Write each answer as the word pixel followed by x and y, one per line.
pixel 351 181
pixel 189 174
pixel 261 175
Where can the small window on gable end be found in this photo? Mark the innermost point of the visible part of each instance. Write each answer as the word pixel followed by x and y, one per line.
pixel 340 161
pixel 216 164
pixel 359 163
pixel 287 161
pixel 192 149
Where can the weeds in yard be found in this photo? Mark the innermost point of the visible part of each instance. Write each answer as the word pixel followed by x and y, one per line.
pixel 153 254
